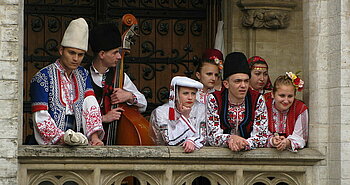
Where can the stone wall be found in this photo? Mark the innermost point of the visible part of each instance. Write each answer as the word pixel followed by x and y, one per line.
pixel 327 54
pixel 277 46
pixel 11 39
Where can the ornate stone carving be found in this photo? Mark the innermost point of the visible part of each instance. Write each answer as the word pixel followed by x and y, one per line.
pixel 271 14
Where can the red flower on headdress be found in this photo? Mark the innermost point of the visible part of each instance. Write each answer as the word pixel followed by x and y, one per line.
pixel 217 62
pixel 297 82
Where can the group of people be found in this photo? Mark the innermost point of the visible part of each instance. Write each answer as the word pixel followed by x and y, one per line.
pixel 232 103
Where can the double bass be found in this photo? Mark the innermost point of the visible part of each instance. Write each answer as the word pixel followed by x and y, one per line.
pixel 132 128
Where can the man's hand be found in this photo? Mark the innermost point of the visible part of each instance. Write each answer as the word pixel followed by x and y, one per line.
pixel 237 143
pixel 112 115
pixel 95 141
pixel 120 96
pixel 188 146
pixel 185 111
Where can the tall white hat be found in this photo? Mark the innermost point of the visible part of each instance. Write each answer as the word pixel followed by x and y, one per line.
pixel 76 35
pixel 183 82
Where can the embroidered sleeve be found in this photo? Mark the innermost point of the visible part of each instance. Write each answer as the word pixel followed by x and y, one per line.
pixel 92 119
pixel 39 91
pixel 140 100
pixel 300 134
pixel 45 129
pixel 215 133
pixel 159 131
pixel 260 133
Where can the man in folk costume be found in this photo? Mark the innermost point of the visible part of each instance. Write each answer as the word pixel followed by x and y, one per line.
pixel 63 101
pixel 181 121
pixel 105 42
pixel 235 115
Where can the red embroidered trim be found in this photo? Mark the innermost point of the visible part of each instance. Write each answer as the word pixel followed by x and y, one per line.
pixel 36 108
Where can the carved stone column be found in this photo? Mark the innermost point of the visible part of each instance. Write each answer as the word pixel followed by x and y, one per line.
pixel 271 14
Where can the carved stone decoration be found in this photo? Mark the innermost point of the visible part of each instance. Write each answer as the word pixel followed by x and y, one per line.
pixel 270 14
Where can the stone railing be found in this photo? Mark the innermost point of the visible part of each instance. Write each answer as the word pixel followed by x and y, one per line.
pixel 162 165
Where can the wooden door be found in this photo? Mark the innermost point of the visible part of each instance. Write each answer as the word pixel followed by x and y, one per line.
pixel 173 35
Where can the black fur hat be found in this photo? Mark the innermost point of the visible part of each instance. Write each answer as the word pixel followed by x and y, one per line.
pixel 104 37
pixel 236 62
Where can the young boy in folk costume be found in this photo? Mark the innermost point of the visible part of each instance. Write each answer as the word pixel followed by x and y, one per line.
pixel 208 73
pixel 288 117
pixel 181 121
pixel 62 96
pixel 105 42
pixel 235 115
pixel 260 80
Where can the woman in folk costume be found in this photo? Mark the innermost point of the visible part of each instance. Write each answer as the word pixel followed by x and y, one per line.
pixel 260 80
pixel 235 115
pixel 208 73
pixel 62 95
pixel 288 117
pixel 181 121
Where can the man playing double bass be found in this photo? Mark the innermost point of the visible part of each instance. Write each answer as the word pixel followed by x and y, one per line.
pixel 105 42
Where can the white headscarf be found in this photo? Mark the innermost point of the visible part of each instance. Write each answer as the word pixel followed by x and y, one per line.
pixel 183 82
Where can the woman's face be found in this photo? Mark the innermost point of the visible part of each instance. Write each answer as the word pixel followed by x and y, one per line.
pixel 259 76
pixel 187 96
pixel 284 97
pixel 208 75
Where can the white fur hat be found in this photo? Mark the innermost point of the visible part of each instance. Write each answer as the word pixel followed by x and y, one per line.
pixel 183 82
pixel 76 35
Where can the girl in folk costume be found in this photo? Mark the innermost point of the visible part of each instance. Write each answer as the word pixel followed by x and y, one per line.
pixel 288 117
pixel 260 80
pixel 208 73
pixel 181 121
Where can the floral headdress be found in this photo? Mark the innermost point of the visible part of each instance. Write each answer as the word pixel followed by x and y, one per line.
pixel 297 82
pixel 218 62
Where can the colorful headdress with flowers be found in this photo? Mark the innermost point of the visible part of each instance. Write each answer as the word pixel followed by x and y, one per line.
pixel 296 81
pixel 217 62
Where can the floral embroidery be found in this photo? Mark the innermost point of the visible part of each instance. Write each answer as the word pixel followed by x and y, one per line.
pixel 48 131
pixel 93 117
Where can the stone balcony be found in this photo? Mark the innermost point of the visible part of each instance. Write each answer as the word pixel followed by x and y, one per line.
pixel 163 165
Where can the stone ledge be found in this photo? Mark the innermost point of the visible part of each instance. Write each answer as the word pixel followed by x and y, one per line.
pixel 159 154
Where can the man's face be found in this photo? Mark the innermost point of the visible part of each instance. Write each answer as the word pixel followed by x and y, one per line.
pixel 237 85
pixel 111 57
pixel 71 58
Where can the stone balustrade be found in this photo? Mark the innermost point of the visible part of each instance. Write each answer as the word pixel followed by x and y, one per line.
pixel 163 165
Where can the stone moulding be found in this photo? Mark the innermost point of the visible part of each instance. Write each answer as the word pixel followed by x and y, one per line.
pixel 270 14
